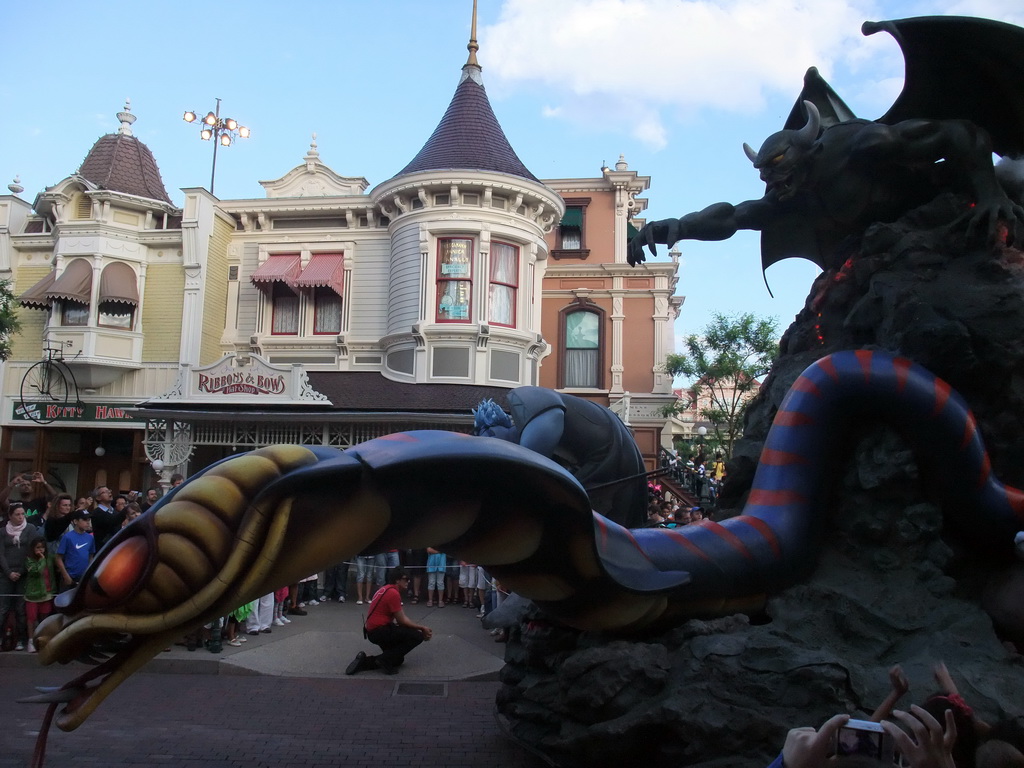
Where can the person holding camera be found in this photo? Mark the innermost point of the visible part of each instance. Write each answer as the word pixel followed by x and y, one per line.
pixel 930 746
pixel 34 494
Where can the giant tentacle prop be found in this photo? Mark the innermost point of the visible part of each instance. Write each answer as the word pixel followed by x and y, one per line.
pixel 255 522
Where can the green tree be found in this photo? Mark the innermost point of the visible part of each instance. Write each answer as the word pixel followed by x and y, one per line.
pixel 9 324
pixel 725 363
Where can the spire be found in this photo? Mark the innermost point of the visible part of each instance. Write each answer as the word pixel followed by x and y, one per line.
pixel 127 118
pixel 473 45
pixel 469 136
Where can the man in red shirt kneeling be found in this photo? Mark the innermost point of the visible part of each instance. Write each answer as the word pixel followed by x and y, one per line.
pixel 388 627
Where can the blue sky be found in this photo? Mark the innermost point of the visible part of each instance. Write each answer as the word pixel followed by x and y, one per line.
pixel 676 86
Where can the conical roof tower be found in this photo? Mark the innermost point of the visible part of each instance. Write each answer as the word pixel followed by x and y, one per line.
pixel 119 162
pixel 469 136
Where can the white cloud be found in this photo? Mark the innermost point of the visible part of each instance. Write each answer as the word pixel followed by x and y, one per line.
pixel 684 55
pixel 628 64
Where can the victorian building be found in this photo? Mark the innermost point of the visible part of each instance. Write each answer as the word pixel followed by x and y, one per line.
pixel 326 312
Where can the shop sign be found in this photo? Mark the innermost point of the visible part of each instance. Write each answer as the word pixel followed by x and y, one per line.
pixel 240 383
pixel 50 412
pixel 242 380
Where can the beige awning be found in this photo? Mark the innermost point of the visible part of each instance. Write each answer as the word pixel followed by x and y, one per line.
pixel 74 283
pixel 280 267
pixel 325 270
pixel 35 297
pixel 118 283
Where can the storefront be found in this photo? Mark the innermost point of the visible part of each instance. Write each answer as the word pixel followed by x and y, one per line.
pixel 81 447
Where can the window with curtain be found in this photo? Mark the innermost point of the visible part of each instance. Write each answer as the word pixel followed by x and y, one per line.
pixel 454 279
pixel 74 313
pixel 326 311
pixel 285 320
pixel 504 282
pixel 582 349
pixel 116 314
pixel 570 231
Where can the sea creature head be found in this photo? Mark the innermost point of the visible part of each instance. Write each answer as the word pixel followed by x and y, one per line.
pixel 489 420
pixel 173 569
pixel 781 159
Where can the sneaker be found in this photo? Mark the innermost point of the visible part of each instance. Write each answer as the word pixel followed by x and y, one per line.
pixel 31 648
pixel 359 602
pixel 285 620
pixel 236 643
pixel 481 614
pixel 266 631
pixel 341 599
pixel 254 631
pixel 278 623
pixel 301 605
pixel 20 646
pixel 356 664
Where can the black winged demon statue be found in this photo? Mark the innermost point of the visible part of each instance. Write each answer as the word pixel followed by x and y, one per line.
pixel 828 175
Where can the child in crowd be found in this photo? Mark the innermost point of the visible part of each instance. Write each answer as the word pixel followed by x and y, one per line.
pixel 280 607
pixel 437 563
pixel 40 586
pixel 75 550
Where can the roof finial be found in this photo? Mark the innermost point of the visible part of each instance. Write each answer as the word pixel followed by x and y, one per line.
pixel 473 46
pixel 15 186
pixel 126 118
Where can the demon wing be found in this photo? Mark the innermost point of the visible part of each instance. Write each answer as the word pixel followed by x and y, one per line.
pixel 961 68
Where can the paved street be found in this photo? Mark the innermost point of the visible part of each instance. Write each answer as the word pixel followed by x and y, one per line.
pixel 283 700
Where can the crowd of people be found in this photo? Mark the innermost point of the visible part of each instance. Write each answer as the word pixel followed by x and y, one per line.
pixel 48 539
pixel 415 575
pixel 698 475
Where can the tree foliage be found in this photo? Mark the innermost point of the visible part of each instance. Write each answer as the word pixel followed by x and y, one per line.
pixel 725 363
pixel 9 324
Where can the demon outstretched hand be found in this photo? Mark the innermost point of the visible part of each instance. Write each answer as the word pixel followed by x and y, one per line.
pixel 829 175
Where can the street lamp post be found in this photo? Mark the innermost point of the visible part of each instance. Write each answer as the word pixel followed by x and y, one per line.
pixel 222 130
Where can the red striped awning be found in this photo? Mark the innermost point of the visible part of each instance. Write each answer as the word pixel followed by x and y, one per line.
pixel 325 270
pixel 279 268
pixel 74 283
pixel 35 297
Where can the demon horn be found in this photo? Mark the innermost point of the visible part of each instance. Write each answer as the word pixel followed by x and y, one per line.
pixel 809 132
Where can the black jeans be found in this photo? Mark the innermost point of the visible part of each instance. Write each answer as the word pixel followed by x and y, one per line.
pixel 395 641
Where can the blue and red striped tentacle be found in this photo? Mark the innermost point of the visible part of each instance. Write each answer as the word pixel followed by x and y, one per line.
pixel 775 540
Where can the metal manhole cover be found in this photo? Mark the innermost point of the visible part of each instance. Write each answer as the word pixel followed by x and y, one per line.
pixel 421 689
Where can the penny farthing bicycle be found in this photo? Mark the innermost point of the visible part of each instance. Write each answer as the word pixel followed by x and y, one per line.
pixel 47 387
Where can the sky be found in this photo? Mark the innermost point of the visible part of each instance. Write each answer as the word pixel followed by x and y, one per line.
pixel 674 86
